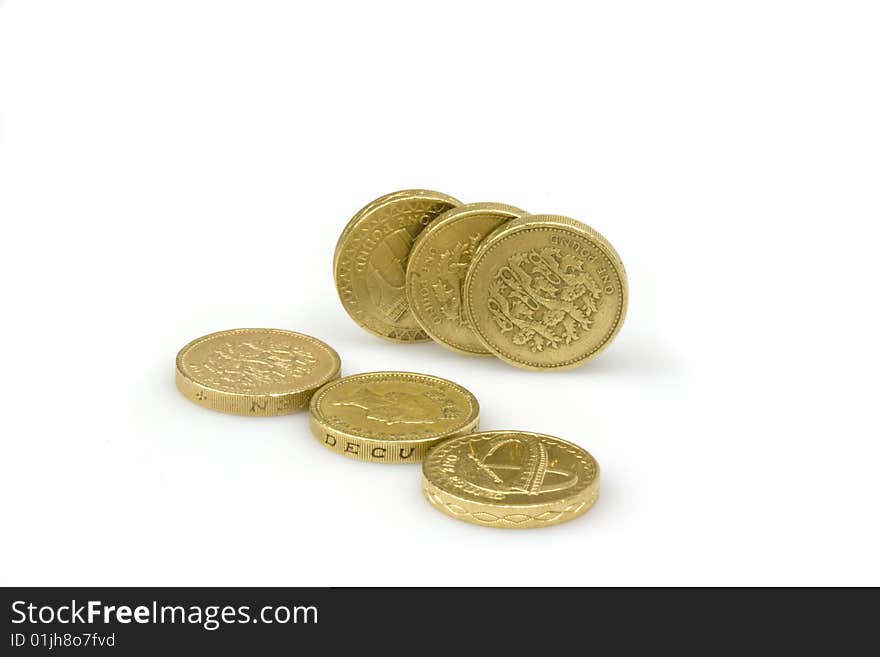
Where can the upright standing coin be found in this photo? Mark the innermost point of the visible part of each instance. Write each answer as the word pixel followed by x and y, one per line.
pixel 369 264
pixel 391 417
pixel 511 479
pixel 437 266
pixel 255 371
pixel 546 292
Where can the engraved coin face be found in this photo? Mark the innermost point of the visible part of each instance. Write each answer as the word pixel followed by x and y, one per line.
pixel 512 479
pixel 437 266
pixel 255 371
pixel 369 264
pixel 391 417
pixel 546 292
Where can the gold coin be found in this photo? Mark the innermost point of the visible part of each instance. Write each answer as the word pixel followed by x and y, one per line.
pixel 369 264
pixel 391 417
pixel 513 479
pixel 546 292
pixel 437 266
pixel 255 371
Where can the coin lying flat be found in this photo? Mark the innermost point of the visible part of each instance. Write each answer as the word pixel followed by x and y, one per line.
pixel 437 266
pixel 512 479
pixel 369 264
pixel 255 371
pixel 546 292
pixel 391 417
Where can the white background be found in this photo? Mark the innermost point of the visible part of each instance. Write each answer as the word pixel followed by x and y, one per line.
pixel 175 167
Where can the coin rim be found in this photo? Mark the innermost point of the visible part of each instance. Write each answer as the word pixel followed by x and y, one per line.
pixel 590 494
pixel 320 425
pixel 447 218
pixel 234 403
pixel 542 222
pixel 362 215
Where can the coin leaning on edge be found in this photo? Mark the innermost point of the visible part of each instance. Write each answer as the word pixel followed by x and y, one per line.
pixel 255 371
pixel 436 270
pixel 510 479
pixel 546 292
pixel 391 417
pixel 369 262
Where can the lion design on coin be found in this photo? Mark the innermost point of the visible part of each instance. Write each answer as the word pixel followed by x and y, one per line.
pixel 544 298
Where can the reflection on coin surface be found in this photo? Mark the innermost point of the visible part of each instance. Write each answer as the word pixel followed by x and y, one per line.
pixel 546 292
pixel 255 371
pixel 369 264
pixel 437 266
pixel 391 417
pixel 513 479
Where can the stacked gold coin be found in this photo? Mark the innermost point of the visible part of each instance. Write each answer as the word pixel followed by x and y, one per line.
pixel 541 292
pixel 538 291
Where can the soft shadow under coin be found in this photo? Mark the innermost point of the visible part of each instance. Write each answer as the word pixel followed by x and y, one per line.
pixel 630 359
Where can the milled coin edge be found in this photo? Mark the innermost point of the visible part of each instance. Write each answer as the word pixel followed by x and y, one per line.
pixel 490 517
